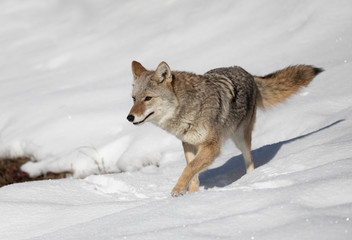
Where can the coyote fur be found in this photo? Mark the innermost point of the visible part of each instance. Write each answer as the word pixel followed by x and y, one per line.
pixel 205 110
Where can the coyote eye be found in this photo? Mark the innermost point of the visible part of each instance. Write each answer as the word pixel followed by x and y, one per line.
pixel 147 98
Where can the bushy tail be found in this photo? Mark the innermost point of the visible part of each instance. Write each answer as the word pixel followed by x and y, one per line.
pixel 276 87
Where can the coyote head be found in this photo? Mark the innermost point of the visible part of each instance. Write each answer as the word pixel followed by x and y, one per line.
pixel 153 96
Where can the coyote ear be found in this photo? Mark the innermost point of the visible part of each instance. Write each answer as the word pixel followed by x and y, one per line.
pixel 163 73
pixel 137 69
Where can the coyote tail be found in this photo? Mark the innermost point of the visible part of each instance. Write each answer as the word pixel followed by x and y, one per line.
pixel 276 87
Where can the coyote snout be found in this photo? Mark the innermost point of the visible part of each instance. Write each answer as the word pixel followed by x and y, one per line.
pixel 130 118
pixel 205 110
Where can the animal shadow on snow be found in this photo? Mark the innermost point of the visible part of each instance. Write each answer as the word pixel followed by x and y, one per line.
pixel 234 168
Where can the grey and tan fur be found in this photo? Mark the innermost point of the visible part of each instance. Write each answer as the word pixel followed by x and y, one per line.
pixel 205 110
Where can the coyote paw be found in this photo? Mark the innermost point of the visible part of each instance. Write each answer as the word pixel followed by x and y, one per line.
pixel 250 168
pixel 178 191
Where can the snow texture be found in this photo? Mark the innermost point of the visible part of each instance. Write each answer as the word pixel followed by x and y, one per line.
pixel 65 91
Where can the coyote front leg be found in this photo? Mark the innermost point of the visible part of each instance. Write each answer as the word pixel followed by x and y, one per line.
pixel 205 156
pixel 190 153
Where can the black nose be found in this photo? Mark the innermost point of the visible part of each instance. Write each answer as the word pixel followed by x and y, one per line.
pixel 130 118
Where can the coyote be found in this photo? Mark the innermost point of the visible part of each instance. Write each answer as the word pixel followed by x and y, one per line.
pixel 205 110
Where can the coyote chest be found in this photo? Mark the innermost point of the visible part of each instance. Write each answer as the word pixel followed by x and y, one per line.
pixel 189 133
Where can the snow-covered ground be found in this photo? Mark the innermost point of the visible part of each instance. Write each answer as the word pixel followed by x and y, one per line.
pixel 65 85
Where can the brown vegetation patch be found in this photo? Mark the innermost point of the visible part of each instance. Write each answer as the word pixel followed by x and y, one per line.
pixel 10 172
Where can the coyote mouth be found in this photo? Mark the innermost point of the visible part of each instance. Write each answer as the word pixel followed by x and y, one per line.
pixel 136 123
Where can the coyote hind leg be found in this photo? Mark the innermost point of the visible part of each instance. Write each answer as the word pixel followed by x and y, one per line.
pixel 243 140
pixel 245 147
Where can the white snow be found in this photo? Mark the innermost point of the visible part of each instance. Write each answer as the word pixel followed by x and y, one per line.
pixel 65 85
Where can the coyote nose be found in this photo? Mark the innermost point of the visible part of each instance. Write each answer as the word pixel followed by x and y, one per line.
pixel 130 118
